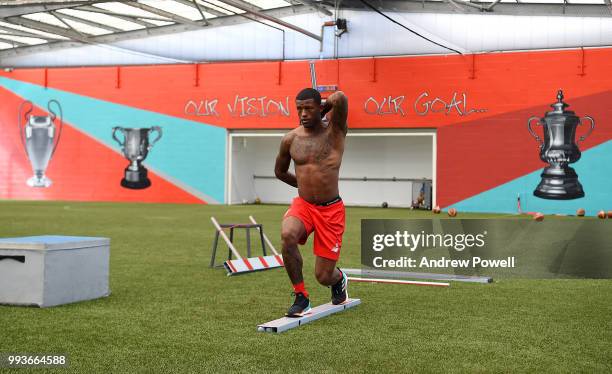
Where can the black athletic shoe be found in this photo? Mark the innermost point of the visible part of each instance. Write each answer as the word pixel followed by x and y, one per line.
pixel 300 306
pixel 340 290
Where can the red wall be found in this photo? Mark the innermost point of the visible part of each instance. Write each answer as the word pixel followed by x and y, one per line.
pixel 497 82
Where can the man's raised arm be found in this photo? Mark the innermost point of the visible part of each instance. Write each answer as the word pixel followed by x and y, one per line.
pixel 283 160
pixel 337 105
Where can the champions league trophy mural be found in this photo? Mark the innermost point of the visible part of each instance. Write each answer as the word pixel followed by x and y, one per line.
pixel 135 148
pixel 39 137
pixel 559 149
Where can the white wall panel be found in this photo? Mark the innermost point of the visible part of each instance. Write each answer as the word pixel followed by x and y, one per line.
pixel 87 55
pixel 521 36
pixel 605 30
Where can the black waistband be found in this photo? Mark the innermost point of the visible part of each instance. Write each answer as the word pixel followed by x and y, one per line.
pixel 330 202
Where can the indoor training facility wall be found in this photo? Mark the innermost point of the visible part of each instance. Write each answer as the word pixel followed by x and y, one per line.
pixel 478 106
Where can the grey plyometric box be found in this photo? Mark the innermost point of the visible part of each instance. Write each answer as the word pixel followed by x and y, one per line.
pixel 53 270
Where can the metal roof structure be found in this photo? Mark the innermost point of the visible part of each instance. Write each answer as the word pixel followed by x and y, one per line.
pixel 29 25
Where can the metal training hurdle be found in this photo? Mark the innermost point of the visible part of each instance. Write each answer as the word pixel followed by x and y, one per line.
pixel 243 265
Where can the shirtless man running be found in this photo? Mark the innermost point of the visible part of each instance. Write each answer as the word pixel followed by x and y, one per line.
pixel 316 148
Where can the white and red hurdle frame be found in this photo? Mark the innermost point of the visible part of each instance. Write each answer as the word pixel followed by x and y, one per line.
pixel 243 265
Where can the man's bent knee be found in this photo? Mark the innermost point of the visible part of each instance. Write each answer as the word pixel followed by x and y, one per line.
pixel 291 232
pixel 289 238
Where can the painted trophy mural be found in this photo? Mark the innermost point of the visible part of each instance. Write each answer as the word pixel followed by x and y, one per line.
pixel 135 147
pixel 40 136
pixel 559 149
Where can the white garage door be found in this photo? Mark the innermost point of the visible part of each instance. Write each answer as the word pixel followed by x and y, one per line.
pixel 378 166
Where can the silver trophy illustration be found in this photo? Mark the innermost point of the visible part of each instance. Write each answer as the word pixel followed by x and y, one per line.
pixel 135 147
pixel 559 149
pixel 40 137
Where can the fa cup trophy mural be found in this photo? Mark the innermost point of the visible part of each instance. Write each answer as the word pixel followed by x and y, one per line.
pixel 559 149
pixel 135 147
pixel 40 137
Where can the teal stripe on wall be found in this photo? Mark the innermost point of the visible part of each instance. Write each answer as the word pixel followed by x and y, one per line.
pixel 191 154
pixel 594 173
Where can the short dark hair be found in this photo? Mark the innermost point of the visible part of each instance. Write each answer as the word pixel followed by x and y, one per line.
pixel 309 93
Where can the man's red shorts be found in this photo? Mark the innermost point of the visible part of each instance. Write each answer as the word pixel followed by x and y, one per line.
pixel 327 222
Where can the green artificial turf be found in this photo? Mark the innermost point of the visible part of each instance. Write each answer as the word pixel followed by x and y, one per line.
pixel 168 312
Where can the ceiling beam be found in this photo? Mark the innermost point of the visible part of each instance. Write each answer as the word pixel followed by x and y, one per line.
pixel 226 10
pixel 196 4
pixel 83 35
pixel 171 16
pixel 455 5
pixel 315 6
pixel 37 2
pixel 26 34
pixel 199 9
pixel 490 7
pixel 5 34
pixel 41 26
pixel 12 10
pixel 468 4
pixel 87 22
pixel 244 5
pixel 160 30
pixel 266 16
pixel 140 20
pixel 11 41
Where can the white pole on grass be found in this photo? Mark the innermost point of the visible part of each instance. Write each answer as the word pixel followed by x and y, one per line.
pixel 268 242
pixel 398 281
